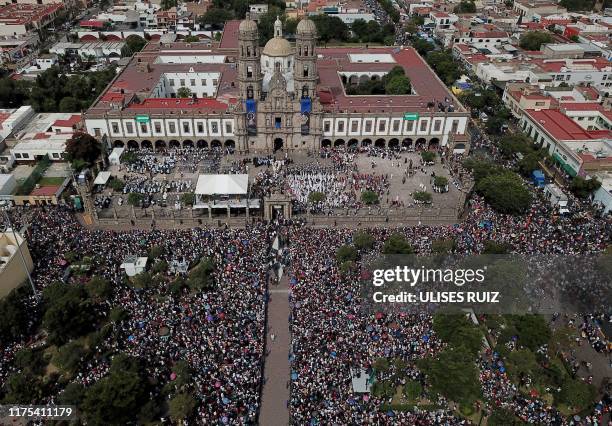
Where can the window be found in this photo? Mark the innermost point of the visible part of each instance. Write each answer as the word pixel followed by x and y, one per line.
pixel 192 82
pixel 214 127
pixel 455 126
pixel 182 82
pixel 305 50
pixel 305 70
pixel 277 122
pixel 437 125
pixel 340 126
pixel 368 126
pixel 249 72
pixel 172 82
pixel 143 128
pixel 97 132
pixel 115 127
pixel 129 128
pixel 17 155
pixel 55 155
pixel 354 126
pixel 200 127
pixel 172 127
pixel 423 126
pixel 326 127
pixel 215 81
pixel 228 128
pixel 185 127
pixel 396 125
pixel 382 126
pixel 539 103
pixel 157 127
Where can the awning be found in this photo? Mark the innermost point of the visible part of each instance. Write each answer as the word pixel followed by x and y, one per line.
pixel 570 171
pixel 102 178
pixel 222 184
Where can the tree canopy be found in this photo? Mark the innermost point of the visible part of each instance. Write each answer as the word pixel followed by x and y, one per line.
pixel 133 44
pixel 82 146
pixel 505 192
pixel 201 277
pixel 532 40
pixel 397 244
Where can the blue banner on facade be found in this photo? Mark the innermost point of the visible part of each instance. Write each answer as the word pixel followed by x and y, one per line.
pixel 251 117
pixel 305 108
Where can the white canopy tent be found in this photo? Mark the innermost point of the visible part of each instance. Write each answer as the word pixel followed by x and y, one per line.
pixel 102 178
pixel 222 184
pixel 115 156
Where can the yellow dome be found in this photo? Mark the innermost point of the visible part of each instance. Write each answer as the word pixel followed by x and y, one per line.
pixel 248 25
pixel 277 46
pixel 306 26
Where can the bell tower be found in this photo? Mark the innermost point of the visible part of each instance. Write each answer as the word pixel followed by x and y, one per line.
pixel 249 62
pixel 305 72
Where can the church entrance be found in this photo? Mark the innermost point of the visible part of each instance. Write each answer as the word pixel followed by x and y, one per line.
pixel 278 144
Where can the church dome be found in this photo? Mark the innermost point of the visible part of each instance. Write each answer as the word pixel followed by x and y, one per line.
pixel 306 26
pixel 277 46
pixel 248 25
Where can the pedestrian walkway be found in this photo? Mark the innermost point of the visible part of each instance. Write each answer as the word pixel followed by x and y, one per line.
pixel 274 409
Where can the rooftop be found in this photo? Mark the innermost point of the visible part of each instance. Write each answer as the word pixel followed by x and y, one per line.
pixel 563 128
pixel 20 14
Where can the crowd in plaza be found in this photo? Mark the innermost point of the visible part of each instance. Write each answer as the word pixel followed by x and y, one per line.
pixel 331 333
pixel 219 333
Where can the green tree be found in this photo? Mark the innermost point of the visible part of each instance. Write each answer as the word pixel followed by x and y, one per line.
pixel 191 39
pixel 533 330
pixel 363 240
pixel 118 314
pixel 31 360
pixel 73 394
pixel 316 197
pixel 528 164
pixel 69 314
pixel 582 188
pixel 444 65
pixel 453 374
pixel 181 406
pixel 413 390
pixel 99 288
pixel 422 196
pixel 184 92
pixel 142 280
pixel 505 192
pixel 201 277
pixel 578 5
pixel 457 330
pixel 69 357
pixel 398 85
pixel 369 197
pixel 503 417
pixel 440 182
pixel 532 40
pixel 117 398
pixel 216 18
pixel 465 7
pixel 83 146
pixel 69 104
pixel 14 316
pixel 521 362
pixel 116 184
pixel 330 28
pixel 397 244
pixel 422 46
pixel 428 156
pixel 22 388
pixel 133 44
pixel 576 394
pixel 188 198
pixel 346 253
pixel 494 247
pixel 134 199
pixel 155 252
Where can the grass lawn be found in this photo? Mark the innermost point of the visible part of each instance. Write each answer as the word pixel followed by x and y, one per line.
pixel 51 181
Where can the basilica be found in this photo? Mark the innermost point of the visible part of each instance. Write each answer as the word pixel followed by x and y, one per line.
pixel 285 96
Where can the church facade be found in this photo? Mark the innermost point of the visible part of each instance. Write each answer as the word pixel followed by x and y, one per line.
pixel 284 96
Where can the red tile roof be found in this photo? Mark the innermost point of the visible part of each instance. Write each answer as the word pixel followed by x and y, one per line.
pixel 73 120
pixel 180 103
pixel 561 127
pixel 45 191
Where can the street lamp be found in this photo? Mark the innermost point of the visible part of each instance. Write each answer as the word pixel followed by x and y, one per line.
pixel 4 207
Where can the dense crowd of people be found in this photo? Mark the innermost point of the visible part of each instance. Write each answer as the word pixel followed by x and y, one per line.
pixel 219 333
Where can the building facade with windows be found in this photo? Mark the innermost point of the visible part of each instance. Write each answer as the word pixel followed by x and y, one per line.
pixel 240 96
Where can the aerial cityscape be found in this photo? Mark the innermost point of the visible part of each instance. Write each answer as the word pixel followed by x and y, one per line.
pixel 324 212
